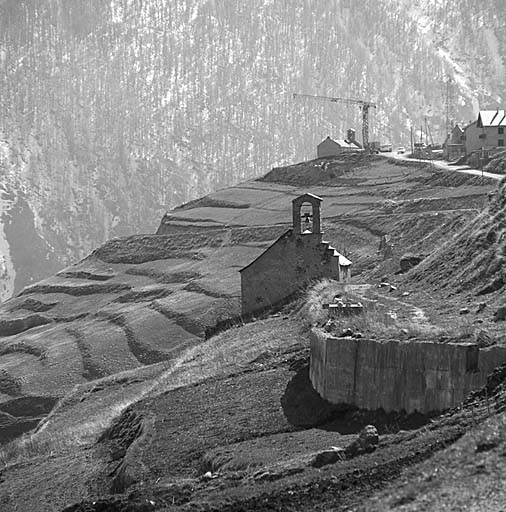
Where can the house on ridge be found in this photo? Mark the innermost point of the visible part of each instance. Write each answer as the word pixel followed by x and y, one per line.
pixel 295 259
pixel 333 147
pixel 487 132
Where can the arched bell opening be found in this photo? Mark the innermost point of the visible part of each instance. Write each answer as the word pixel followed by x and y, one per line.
pixel 306 219
pixel 306 214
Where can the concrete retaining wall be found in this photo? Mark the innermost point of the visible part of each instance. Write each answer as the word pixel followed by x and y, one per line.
pixel 398 375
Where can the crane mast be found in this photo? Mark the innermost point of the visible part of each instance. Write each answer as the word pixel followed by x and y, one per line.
pixel 364 106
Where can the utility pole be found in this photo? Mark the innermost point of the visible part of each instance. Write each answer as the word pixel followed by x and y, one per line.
pixel 449 104
pixel 430 135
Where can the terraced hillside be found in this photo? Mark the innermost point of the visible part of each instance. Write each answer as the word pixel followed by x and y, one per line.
pixel 129 321
pixel 112 313
pixel 144 299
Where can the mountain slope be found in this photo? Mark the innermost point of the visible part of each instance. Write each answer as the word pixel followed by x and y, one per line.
pixel 474 258
pixel 113 111
pixel 145 299
pixel 120 337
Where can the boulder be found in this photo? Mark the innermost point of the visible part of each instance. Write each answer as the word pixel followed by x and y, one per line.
pixel 484 339
pixel 366 442
pixel 326 457
pixel 481 306
pixel 330 326
pixel 408 261
pixel 500 314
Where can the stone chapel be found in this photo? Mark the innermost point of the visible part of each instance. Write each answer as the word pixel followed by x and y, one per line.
pixel 292 261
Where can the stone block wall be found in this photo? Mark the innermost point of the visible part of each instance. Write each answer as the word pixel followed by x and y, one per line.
pixel 412 376
pixel 285 267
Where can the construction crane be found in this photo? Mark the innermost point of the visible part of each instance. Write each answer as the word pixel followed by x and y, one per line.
pixel 364 106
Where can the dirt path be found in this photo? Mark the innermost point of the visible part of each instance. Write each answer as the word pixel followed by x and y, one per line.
pixel 397 308
pixel 445 166
pixel 417 314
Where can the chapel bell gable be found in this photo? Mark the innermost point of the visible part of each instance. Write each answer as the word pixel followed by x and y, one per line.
pixel 306 215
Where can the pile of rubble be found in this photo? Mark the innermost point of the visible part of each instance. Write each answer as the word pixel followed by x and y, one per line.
pixel 339 307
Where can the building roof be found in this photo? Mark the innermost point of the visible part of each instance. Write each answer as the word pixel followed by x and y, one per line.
pixel 488 118
pixel 345 144
pixel 307 195
pixel 342 143
pixel 469 125
pixel 268 249
pixel 343 260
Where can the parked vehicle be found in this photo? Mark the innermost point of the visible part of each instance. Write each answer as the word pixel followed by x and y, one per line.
pixel 401 149
pixel 386 148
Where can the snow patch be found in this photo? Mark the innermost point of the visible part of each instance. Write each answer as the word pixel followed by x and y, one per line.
pixel 7 272
pixel 460 78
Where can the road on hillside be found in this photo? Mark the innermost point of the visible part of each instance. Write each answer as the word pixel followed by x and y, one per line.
pixel 446 166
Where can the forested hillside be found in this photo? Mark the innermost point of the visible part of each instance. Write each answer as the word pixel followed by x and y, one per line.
pixel 112 111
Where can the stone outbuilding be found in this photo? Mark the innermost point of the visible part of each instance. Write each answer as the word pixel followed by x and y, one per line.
pixel 333 147
pixel 454 146
pixel 292 261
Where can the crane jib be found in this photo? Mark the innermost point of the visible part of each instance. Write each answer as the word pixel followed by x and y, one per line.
pixel 364 105
pixel 336 99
